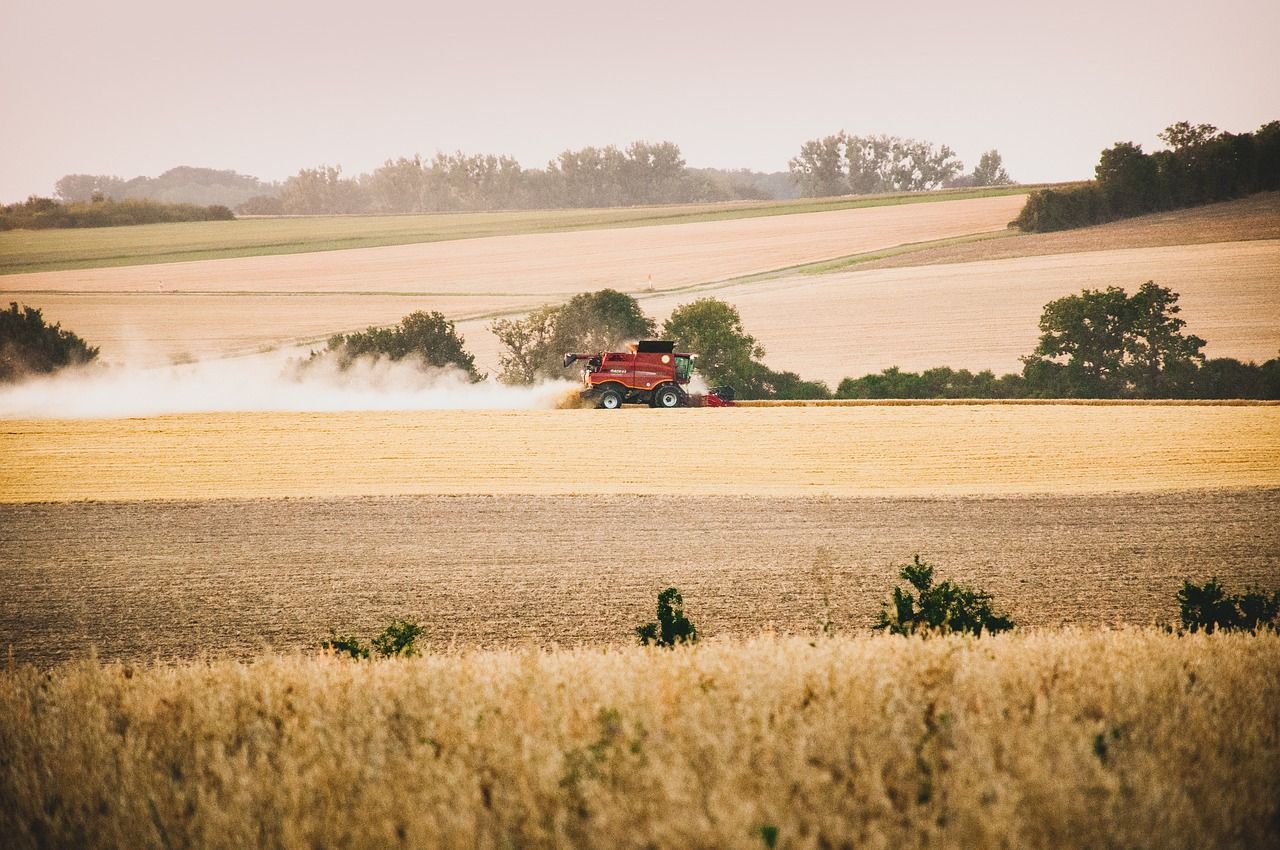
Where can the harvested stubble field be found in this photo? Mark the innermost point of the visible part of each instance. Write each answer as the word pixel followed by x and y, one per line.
pixel 1252 218
pixel 984 315
pixel 470 277
pixel 1042 740
pixel 840 451
pixel 169 580
pixel 23 251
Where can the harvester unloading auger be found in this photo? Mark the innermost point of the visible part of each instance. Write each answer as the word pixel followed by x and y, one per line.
pixel 651 373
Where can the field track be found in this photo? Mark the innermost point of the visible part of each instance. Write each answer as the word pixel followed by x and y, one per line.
pixel 139 579
pixel 840 451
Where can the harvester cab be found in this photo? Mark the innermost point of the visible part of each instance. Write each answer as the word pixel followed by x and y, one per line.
pixel 650 372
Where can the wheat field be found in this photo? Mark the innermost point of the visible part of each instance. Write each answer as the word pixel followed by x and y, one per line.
pixel 841 451
pixel 1041 740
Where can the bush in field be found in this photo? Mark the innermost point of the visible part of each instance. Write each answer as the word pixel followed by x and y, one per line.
pixel 938 609
pixel 429 336
pixel 672 627
pixel 1209 608
pixel 345 645
pixel 30 346
pixel 398 640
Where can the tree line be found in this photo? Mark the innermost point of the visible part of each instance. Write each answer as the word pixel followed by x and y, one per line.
pixel 844 164
pixel 591 177
pixel 1201 165
pixel 44 213
pixel 1097 344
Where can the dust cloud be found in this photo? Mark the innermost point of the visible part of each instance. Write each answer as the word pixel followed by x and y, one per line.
pixel 266 383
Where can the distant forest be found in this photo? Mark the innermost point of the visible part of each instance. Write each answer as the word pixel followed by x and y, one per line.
pixel 640 174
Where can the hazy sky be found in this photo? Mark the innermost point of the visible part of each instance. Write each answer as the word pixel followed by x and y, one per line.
pixel 130 87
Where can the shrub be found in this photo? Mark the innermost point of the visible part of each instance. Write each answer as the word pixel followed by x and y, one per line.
pixel 398 640
pixel 29 345
pixel 345 645
pixel 940 609
pixel 429 336
pixel 1207 607
pixel 672 627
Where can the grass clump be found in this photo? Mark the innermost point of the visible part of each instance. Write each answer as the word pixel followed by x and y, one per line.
pixel 672 626
pixel 938 609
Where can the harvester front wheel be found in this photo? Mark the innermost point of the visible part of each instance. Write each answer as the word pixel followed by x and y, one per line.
pixel 667 397
pixel 609 399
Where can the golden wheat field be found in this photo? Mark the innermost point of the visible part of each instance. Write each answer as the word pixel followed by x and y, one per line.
pixel 840 451
pixel 1057 738
pixel 131 310
pixel 153 579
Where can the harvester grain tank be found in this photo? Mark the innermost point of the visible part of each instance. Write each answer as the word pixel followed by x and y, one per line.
pixel 652 372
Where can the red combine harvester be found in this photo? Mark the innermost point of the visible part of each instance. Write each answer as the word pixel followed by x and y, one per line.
pixel 650 373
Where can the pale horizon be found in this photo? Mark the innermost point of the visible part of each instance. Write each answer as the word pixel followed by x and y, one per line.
pixel 140 87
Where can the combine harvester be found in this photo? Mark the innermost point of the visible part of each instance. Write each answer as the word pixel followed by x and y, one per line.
pixel 650 373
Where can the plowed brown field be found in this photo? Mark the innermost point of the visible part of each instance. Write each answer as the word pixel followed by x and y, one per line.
pixel 171 578
pixel 847 451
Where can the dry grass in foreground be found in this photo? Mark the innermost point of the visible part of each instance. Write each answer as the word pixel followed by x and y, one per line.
pixel 1051 739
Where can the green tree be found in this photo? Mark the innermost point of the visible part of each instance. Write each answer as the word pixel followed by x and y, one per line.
pixel 1184 134
pixel 429 336
pixel 1107 344
pixel 712 330
pixel 1129 180
pixel 1161 360
pixel 528 347
pixel 990 170
pixel 321 190
pixel 598 321
pixel 533 347
pixel 819 168
pixel 29 346
pixel 842 164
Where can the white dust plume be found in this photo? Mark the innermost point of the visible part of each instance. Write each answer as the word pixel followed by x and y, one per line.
pixel 269 383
